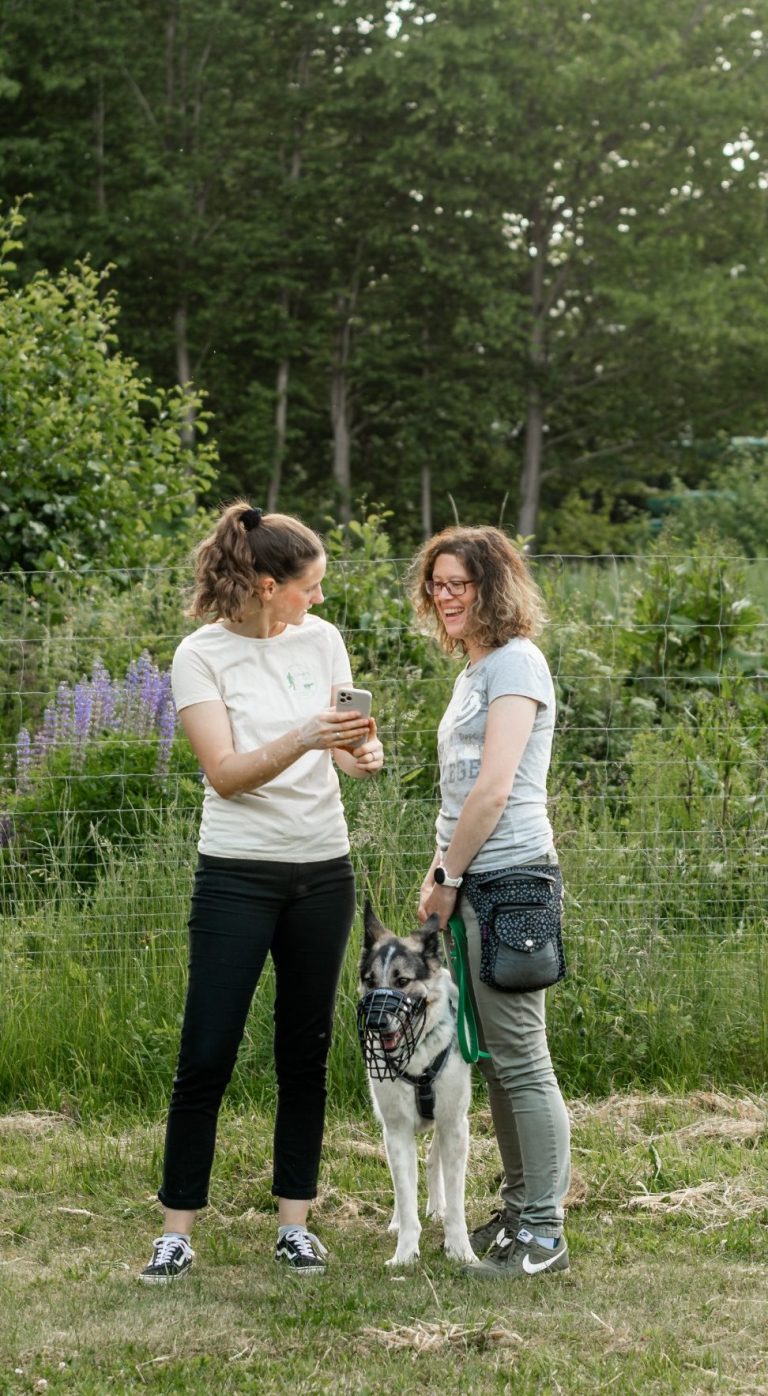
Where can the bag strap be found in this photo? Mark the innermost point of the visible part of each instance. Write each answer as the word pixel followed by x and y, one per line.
pixel 466 1026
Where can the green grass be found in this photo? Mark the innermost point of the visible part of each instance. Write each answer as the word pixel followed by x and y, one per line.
pixel 668 982
pixel 663 1298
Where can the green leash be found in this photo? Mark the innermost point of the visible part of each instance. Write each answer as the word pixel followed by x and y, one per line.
pixel 465 1025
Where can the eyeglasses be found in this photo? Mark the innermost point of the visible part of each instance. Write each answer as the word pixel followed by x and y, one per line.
pixel 456 587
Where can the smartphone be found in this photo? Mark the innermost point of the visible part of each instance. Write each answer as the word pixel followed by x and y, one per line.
pixel 354 700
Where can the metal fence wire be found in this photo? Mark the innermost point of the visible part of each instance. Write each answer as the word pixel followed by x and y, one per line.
pixel 658 800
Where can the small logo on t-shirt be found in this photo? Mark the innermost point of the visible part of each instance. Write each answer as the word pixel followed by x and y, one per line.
pixel 300 680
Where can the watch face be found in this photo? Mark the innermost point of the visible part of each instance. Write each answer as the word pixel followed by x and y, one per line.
pixel 440 876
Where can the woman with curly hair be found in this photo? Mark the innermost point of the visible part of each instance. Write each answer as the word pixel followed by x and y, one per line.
pixel 255 687
pixel 495 866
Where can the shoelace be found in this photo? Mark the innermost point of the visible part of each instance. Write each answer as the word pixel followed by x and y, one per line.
pixel 164 1249
pixel 306 1243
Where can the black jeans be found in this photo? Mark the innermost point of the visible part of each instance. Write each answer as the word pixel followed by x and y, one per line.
pixel 242 910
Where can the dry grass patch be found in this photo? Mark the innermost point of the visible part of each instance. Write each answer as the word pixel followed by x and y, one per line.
pixel 433 1337
pixel 33 1123
pixel 713 1203
pixel 666 1293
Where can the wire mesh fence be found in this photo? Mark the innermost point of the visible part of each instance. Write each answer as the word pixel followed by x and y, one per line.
pixel 658 798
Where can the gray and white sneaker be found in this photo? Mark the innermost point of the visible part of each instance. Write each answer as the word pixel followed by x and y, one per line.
pixel 301 1251
pixel 520 1258
pixel 171 1258
pixel 484 1235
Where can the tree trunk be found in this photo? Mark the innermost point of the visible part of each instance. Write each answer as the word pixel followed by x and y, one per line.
pixel 530 482
pixel 284 367
pixel 341 407
pixel 281 427
pixel 342 473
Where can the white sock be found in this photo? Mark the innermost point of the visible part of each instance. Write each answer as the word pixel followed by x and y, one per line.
pixel 177 1235
pixel 549 1241
pixel 292 1226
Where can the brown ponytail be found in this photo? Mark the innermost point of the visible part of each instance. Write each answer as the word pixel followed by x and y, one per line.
pixel 244 545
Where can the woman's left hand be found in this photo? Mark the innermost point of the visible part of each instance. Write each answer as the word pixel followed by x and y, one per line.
pixel 369 756
pixel 442 901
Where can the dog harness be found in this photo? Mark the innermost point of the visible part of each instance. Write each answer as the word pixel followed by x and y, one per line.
pixel 424 1085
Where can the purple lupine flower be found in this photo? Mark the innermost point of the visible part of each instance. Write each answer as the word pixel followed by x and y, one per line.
pixel 140 706
pixel 164 693
pixel 132 680
pixel 103 697
pixel 166 726
pixel 82 707
pixel 137 696
pixel 148 693
pixel 23 760
pixel 6 830
pixel 45 738
pixel 64 723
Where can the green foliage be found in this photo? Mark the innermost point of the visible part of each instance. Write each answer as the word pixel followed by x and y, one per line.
pixel 366 596
pixel 596 520
pixel 731 504
pixel 661 634
pixel 476 226
pixel 692 620
pixel 659 810
pixel 111 794
pixel 92 467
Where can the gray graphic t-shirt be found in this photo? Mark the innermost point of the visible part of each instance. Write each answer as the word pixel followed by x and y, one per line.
pixel 523 833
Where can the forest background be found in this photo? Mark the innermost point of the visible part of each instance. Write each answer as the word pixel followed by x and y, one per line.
pixel 510 251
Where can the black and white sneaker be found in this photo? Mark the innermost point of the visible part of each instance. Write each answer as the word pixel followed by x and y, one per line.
pixel 301 1251
pixel 172 1257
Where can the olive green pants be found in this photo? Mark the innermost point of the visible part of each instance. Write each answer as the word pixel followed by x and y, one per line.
pixel 529 1115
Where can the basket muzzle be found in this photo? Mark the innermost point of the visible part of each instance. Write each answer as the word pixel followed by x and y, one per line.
pixel 389 1026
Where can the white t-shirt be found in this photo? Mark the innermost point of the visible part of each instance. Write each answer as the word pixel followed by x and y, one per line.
pixel 269 687
pixel 523 833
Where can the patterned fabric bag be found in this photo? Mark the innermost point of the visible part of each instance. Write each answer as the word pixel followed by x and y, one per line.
pixel 520 914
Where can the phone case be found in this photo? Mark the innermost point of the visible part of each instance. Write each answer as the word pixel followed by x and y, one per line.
pixel 354 700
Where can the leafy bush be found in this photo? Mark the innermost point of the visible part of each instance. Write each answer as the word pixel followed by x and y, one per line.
pixel 105 762
pixel 92 464
pixel 732 504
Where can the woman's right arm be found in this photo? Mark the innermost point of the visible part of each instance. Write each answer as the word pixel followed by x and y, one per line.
pixel 233 772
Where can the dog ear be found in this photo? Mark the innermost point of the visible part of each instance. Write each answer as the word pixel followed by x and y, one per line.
pixel 430 938
pixel 373 928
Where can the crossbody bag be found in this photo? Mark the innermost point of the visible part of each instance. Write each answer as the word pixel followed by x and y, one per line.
pixel 520 916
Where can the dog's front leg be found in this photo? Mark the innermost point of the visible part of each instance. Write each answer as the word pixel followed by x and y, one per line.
pixel 454 1149
pixel 435 1188
pixel 401 1156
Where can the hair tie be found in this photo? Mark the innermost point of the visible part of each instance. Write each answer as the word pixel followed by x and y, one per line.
pixel 251 518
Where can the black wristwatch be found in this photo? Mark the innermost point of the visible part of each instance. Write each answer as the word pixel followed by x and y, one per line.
pixel 443 880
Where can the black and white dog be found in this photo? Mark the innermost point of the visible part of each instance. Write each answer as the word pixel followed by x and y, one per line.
pixel 418 1080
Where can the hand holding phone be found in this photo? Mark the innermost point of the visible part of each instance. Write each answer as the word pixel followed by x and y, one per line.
pixel 350 702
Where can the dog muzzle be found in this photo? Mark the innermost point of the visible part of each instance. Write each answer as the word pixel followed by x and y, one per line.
pixel 389 1025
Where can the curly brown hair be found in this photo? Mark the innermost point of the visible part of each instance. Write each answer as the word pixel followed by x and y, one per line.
pixel 508 601
pixel 244 545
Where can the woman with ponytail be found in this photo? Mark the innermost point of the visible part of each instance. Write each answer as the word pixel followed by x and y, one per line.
pixel 255 689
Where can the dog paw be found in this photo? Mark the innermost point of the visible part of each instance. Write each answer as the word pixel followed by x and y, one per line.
pixel 407 1258
pixel 460 1250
